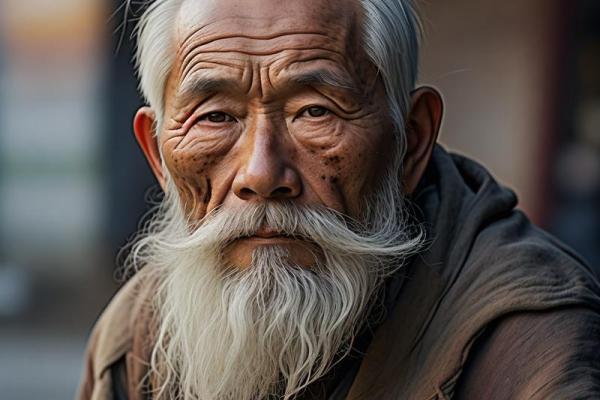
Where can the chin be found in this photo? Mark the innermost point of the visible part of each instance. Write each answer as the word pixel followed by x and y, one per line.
pixel 298 252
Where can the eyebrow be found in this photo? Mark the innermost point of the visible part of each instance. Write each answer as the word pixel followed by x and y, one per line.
pixel 324 77
pixel 203 85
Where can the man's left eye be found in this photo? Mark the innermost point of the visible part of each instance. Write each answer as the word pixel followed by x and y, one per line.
pixel 217 117
pixel 315 111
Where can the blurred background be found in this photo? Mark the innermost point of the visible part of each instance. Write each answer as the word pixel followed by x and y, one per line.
pixel 521 81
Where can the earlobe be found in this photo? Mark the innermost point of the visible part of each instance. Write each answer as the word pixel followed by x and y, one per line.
pixel 144 127
pixel 422 128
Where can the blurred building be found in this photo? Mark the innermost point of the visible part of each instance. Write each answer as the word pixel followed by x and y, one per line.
pixel 53 190
pixel 521 81
pixel 575 172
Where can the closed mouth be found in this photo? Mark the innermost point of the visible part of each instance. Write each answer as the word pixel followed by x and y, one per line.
pixel 266 233
pixel 272 239
pixel 270 234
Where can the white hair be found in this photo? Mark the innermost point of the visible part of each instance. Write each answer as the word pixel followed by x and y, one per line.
pixel 392 31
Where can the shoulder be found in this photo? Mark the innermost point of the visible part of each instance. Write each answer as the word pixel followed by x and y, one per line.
pixel 112 336
pixel 523 309
pixel 536 355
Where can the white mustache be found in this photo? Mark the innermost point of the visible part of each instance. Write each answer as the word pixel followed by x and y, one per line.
pixel 325 227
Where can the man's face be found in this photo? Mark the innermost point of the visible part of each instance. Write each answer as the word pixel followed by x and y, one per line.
pixel 273 102
pixel 275 123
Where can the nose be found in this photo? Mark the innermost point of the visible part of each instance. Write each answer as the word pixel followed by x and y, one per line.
pixel 267 172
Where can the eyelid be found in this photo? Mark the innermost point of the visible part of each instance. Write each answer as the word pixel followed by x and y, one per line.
pixel 303 110
pixel 204 116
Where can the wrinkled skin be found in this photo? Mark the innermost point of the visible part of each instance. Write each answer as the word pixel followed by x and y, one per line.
pixel 277 100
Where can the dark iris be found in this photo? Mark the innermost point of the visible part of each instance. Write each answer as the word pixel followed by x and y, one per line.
pixel 316 111
pixel 218 117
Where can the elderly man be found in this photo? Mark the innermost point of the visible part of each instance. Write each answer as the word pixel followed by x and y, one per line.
pixel 314 242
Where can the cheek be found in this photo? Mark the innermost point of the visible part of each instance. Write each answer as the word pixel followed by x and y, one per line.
pixel 342 167
pixel 193 183
pixel 191 162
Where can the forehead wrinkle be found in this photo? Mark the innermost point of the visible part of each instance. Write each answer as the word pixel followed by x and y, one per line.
pixel 212 68
pixel 220 28
pixel 260 54
pixel 268 49
pixel 189 48
pixel 188 40
pixel 201 26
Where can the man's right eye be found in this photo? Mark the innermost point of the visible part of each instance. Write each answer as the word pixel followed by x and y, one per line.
pixel 217 117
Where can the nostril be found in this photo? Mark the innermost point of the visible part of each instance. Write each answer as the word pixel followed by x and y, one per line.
pixel 281 191
pixel 245 192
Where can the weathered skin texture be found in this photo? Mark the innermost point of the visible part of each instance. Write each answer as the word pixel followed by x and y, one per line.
pixel 488 277
pixel 269 102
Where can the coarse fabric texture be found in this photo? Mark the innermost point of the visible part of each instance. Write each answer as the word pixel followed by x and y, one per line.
pixel 487 262
pixel 494 308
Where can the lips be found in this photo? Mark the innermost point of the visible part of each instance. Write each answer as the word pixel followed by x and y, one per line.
pixel 301 251
pixel 268 232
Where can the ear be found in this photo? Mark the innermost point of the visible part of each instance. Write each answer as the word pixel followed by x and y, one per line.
pixel 144 127
pixel 422 128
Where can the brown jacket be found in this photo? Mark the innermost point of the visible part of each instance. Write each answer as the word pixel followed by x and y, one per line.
pixel 494 309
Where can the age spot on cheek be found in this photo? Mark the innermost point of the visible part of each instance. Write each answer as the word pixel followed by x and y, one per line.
pixel 201 164
pixel 335 161
pixel 208 161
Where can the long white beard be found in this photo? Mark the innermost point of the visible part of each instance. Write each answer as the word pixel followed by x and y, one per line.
pixel 273 328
